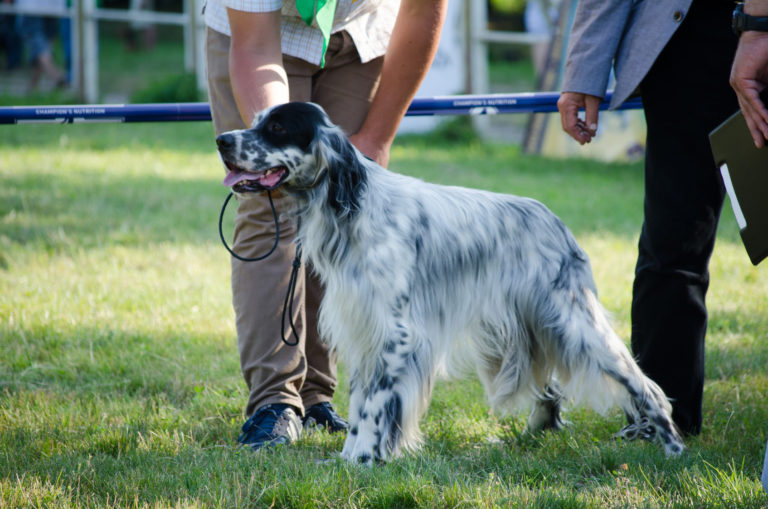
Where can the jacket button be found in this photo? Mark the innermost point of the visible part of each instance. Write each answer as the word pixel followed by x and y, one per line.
pixel 678 16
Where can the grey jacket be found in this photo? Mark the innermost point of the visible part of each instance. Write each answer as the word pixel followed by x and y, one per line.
pixel 625 34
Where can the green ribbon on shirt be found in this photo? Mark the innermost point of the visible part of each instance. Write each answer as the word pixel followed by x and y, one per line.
pixel 323 12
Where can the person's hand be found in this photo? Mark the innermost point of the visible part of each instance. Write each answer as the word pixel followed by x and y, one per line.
pixel 749 77
pixel 410 52
pixel 581 130
pixel 377 151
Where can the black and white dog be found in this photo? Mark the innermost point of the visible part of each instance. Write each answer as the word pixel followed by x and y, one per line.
pixel 422 278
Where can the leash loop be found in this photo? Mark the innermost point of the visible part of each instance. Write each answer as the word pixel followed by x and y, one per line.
pixel 277 230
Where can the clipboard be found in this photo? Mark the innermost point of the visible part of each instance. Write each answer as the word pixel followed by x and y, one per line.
pixel 745 174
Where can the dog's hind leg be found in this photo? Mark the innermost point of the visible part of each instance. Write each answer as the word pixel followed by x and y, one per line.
pixel 599 364
pixel 546 410
pixel 647 400
pixel 385 410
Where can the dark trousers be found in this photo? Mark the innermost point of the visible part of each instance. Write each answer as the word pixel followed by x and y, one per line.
pixel 685 95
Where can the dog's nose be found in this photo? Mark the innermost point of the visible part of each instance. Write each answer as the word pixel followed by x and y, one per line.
pixel 225 141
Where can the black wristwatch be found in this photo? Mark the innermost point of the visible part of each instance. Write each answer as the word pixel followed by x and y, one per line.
pixel 742 22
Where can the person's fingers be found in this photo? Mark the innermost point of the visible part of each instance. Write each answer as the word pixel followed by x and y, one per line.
pixel 758 113
pixel 749 76
pixel 569 105
pixel 591 113
pixel 753 120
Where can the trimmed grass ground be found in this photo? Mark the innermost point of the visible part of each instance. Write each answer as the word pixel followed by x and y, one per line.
pixel 119 380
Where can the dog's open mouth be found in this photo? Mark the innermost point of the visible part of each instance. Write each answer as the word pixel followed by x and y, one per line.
pixel 243 181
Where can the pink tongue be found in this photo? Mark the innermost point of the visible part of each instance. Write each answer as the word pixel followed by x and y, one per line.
pixel 271 180
pixel 233 177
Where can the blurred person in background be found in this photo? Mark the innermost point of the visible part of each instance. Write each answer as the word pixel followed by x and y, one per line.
pixel 10 41
pixel 37 31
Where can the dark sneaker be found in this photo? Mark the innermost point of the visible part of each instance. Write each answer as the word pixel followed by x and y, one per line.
pixel 640 430
pixel 323 416
pixel 271 425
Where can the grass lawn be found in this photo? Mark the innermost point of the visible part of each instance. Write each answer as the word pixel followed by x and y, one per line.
pixel 119 379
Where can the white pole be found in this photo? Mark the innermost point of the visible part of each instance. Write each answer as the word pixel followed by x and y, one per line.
pixel 90 52
pixel 478 56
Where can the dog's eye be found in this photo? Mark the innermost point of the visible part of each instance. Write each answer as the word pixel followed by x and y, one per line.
pixel 276 128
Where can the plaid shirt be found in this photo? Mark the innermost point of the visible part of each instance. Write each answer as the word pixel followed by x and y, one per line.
pixel 368 22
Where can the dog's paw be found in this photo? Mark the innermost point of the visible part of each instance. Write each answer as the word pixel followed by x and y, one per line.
pixel 544 418
pixel 362 458
pixel 366 460
pixel 361 451
pixel 672 443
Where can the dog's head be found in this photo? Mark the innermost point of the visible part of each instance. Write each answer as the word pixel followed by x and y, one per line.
pixel 278 150
pixel 295 147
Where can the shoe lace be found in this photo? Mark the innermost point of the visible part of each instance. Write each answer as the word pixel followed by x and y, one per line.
pixel 327 412
pixel 262 423
pixel 325 408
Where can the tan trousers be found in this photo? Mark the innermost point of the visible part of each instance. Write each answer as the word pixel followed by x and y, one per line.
pixel 275 373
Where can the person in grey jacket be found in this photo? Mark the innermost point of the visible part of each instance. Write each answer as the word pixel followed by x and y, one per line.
pixel 677 56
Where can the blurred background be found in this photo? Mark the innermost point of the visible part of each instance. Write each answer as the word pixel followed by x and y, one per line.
pixel 151 51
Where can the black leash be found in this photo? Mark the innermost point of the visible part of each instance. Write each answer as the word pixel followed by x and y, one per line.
pixel 277 230
pixel 288 303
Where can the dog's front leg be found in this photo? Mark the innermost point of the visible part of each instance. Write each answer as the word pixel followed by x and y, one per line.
pixel 385 410
pixel 376 432
pixel 357 396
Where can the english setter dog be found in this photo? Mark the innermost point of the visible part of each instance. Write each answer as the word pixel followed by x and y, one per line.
pixel 421 278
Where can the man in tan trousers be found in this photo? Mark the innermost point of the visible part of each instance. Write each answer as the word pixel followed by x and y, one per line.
pixel 365 74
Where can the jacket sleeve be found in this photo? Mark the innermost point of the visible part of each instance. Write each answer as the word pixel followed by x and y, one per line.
pixel 597 30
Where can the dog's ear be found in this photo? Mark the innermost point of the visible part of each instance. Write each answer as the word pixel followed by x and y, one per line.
pixel 345 166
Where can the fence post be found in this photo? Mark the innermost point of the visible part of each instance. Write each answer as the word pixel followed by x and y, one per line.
pixel 76 40
pixel 478 56
pixel 199 41
pixel 194 40
pixel 90 51
pixel 190 59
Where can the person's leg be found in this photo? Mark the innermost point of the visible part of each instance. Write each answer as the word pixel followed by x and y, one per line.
pixel 39 49
pixel 273 371
pixel 685 95
pixel 345 89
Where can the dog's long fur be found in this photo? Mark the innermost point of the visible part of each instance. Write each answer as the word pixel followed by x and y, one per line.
pixel 421 277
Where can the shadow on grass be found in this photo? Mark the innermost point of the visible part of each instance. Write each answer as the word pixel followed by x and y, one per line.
pixel 93 374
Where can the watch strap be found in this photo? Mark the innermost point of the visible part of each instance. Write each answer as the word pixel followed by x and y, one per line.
pixel 743 22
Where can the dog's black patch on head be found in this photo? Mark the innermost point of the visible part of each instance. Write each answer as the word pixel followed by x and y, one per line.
pixel 347 177
pixel 291 124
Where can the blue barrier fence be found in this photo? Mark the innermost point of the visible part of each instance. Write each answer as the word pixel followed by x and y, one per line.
pixel 538 102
